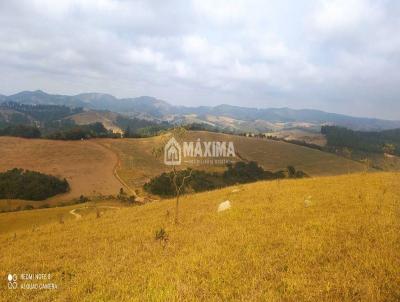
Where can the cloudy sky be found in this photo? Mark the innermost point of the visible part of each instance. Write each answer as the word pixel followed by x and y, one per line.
pixel 338 55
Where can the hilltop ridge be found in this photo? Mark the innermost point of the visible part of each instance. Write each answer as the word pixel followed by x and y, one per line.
pixel 243 118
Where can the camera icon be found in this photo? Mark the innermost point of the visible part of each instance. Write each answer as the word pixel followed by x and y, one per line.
pixel 12 281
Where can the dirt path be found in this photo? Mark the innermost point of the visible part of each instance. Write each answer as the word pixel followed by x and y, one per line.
pixel 79 216
pixel 116 167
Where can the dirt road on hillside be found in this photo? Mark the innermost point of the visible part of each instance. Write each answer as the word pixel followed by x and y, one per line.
pixel 79 216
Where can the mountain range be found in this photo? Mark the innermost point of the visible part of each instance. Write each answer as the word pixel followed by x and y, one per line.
pixel 223 116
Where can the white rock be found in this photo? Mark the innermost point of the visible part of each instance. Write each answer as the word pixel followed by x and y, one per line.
pixel 224 206
pixel 308 201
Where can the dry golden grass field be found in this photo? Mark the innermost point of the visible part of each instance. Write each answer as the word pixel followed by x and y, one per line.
pixel 23 220
pixel 86 165
pixel 315 138
pixel 319 239
pixel 138 163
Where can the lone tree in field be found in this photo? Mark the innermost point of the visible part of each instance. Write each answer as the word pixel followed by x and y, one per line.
pixel 347 153
pixel 178 185
pixel 178 179
pixel 367 164
pixel 388 151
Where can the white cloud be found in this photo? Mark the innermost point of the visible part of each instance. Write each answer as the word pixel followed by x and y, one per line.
pixel 346 15
pixel 221 11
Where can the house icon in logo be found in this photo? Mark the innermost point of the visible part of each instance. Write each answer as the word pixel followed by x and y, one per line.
pixel 172 153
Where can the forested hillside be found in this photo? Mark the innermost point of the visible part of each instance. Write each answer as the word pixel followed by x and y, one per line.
pixel 387 141
pixel 56 122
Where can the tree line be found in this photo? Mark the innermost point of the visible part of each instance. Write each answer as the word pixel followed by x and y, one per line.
pixel 42 113
pixel 62 132
pixel 235 173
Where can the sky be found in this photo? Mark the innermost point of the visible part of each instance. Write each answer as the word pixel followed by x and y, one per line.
pixel 339 55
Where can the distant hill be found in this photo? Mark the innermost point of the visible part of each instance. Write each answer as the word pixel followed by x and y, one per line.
pixel 226 116
pixel 55 117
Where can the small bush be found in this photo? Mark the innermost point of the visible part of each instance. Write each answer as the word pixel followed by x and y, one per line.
pixel 132 199
pixel 98 214
pixel 161 236
pixel 83 199
pixel 28 207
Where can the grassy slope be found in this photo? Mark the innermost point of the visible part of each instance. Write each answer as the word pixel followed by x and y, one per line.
pixel 106 118
pixel 87 166
pixel 309 137
pixel 28 220
pixel 138 163
pixel 268 247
